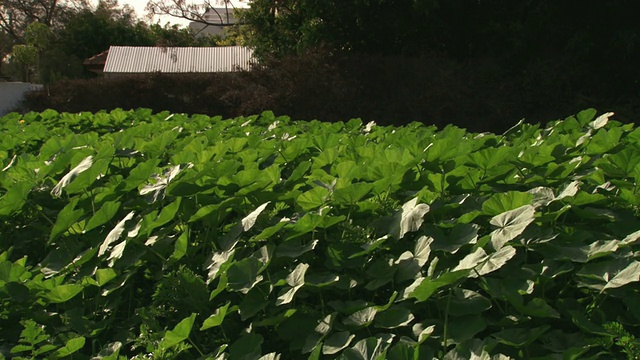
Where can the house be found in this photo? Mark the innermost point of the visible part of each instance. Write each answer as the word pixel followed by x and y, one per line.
pixel 128 60
pixel 95 64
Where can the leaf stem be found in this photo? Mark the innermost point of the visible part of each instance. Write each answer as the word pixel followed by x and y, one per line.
pixel 446 322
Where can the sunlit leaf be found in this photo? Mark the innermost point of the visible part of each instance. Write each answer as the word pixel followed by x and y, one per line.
pixel 179 333
pixel 511 224
pixel 409 218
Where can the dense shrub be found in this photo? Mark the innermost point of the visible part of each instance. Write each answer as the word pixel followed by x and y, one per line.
pixel 483 94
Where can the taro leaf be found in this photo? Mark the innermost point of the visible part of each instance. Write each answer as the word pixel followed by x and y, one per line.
pixel 295 280
pixel 471 260
pixel 370 247
pixel 461 234
pixel 542 196
pixel 103 276
pixel 321 330
pixel 627 275
pixel 421 332
pixel 464 302
pixel 321 279
pixel 180 247
pixel 520 337
pixel 167 214
pixel 270 356
pixel 361 318
pixel 539 308
pixel 179 333
pixel 489 157
pixel 569 191
pixel 106 212
pixel 140 174
pixel 622 164
pixel 407 267
pixel 369 348
pixel 382 272
pixel 293 249
pixel 109 352
pixel 116 253
pixel 248 347
pixel 501 203
pixel 352 193
pixel 252 303
pixel 214 264
pixel 228 241
pixel 609 274
pixel 83 166
pixel 394 317
pixel 465 327
pixel 215 319
pixel 313 198
pixel 114 234
pixel 275 320
pixel 511 224
pixel 428 287
pixel 243 275
pixel 66 217
pixel 14 198
pixel 495 261
pixel 72 346
pixel 409 218
pixel 472 349
pixel 600 121
pixel 336 342
pixel 63 293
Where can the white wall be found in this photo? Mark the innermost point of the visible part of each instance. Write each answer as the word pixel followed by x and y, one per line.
pixel 11 93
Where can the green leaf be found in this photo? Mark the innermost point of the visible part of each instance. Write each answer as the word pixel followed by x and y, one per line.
pixel 465 327
pixel 295 280
pixel 66 217
pixel 243 275
pixel 520 337
pixel 394 317
pixel 216 319
pixel 106 212
pixel 313 198
pixel 361 318
pixel 336 342
pixel 409 218
pixel 500 203
pixel 14 198
pixel 511 224
pixel 179 333
pixel 428 287
pixel 103 276
pixel 109 352
pixel 294 249
pixel 69 348
pixel 248 347
pixel 352 193
pixel 63 293
pixel 372 348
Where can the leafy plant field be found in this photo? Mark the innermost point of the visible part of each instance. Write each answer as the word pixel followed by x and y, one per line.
pixel 167 236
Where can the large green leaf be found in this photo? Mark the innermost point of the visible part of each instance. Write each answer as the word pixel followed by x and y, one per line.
pixel 409 218
pixel 63 293
pixel 511 224
pixel 14 198
pixel 243 275
pixel 179 333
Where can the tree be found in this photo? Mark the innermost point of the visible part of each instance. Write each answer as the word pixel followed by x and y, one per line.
pixel 16 15
pixel 194 12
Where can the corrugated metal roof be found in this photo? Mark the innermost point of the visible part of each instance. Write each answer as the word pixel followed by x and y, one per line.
pixel 146 59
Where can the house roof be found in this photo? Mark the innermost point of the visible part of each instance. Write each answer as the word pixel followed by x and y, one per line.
pixel 146 59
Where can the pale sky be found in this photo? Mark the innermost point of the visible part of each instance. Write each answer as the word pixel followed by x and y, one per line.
pixel 139 5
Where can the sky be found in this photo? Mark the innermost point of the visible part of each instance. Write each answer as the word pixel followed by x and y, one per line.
pixel 139 5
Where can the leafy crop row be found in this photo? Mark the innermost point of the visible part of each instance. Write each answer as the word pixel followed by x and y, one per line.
pixel 140 235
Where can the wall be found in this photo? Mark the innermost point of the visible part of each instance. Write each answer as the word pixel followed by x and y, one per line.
pixel 11 94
